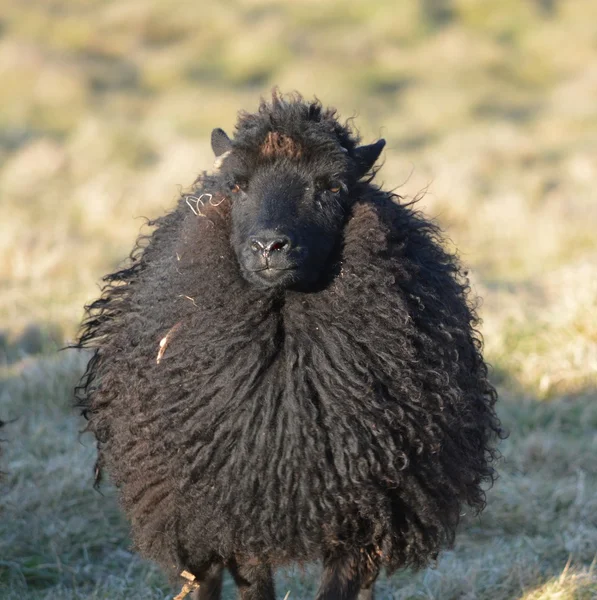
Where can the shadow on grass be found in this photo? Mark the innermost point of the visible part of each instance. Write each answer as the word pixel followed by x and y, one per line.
pixel 33 340
pixel 62 539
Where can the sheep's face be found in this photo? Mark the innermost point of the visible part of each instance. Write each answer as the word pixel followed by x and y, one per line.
pixel 288 206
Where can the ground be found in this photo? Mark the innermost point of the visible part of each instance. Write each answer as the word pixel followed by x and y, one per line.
pixel 489 111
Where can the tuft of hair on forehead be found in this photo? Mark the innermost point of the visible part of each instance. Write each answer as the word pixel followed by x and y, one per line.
pixel 290 126
pixel 278 145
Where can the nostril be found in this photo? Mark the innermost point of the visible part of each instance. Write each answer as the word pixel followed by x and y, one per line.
pixel 256 246
pixel 268 245
pixel 278 245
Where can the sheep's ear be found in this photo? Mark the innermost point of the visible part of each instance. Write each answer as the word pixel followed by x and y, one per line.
pixel 220 142
pixel 365 156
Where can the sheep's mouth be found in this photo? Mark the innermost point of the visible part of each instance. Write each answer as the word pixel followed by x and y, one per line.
pixel 268 276
pixel 271 270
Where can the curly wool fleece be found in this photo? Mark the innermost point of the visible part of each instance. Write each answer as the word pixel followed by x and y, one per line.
pixel 353 420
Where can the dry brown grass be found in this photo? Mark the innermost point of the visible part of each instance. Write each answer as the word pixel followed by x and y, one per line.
pixel 105 112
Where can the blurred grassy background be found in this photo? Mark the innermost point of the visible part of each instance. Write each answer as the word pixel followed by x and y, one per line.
pixel 489 105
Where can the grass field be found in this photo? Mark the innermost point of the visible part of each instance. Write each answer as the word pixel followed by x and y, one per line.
pixel 488 105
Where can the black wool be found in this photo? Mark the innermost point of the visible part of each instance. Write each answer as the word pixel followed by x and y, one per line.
pixel 354 418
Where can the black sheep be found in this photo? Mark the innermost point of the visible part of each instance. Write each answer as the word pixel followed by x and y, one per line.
pixel 289 370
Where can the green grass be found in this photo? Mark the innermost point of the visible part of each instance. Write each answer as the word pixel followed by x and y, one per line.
pixel 105 112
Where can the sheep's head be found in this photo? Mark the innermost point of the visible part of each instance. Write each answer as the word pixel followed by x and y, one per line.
pixel 290 172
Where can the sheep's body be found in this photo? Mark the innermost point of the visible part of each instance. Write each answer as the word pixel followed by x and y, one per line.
pixel 280 427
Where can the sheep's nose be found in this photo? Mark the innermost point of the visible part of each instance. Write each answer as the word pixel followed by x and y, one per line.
pixel 268 245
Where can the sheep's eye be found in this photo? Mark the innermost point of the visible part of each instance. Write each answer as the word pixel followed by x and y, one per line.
pixel 238 186
pixel 329 186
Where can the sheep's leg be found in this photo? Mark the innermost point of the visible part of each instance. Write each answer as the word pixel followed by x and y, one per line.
pixel 255 581
pixel 367 593
pixel 210 586
pixel 340 580
pixel 368 582
pixel 345 579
